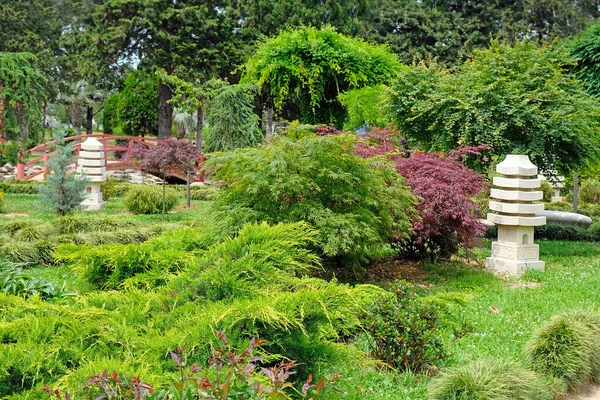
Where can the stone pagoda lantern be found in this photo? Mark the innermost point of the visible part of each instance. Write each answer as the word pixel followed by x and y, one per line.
pixel 514 203
pixel 91 164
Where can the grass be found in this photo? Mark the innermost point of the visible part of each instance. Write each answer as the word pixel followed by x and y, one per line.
pixel 499 317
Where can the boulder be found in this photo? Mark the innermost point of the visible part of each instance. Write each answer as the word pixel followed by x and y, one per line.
pixel 566 218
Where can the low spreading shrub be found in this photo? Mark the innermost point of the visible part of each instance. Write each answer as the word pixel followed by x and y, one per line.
pixel 567 347
pixel 1 201
pixel 589 192
pixel 403 329
pixel 228 373
pixel 148 199
pixel 489 380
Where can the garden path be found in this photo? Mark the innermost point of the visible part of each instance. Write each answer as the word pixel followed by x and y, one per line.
pixel 591 393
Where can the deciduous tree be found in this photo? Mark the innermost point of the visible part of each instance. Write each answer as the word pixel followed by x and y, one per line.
pixel 302 72
pixel 514 99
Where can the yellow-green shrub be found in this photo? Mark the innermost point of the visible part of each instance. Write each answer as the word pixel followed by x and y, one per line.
pixel 149 200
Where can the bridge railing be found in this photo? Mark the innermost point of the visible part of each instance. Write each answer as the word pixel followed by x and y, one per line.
pixel 43 152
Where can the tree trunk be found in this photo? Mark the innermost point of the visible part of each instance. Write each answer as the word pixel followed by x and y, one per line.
pixel 89 118
pixel 77 118
pixel 199 129
pixel 187 191
pixel 2 100
pixel 23 122
pixel 165 111
pixel 575 191
pixel 164 197
pixel 268 116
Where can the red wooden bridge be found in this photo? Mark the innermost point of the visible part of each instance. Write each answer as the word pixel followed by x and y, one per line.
pixel 117 151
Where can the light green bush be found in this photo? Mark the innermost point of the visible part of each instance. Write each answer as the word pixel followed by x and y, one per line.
pixel 489 380
pixel 547 191
pixel 567 347
pixel 1 201
pixel 148 200
pixel 589 192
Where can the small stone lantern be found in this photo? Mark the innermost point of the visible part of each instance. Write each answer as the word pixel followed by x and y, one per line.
pixel 514 204
pixel 91 164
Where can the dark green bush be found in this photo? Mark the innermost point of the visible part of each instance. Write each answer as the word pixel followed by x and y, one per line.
pixel 148 199
pixel 589 192
pixel 567 347
pixel 489 380
pixel 403 329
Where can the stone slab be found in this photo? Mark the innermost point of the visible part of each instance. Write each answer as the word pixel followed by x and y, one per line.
pixel 516 220
pixel 566 218
pixel 513 268
pixel 517 183
pixel 87 162
pixel 516 195
pixel 96 155
pixel 516 208
pixel 91 170
pixel 516 252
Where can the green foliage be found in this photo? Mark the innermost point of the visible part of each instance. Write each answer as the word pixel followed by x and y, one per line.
pixel 62 193
pixel 403 329
pixel 137 107
pixel 200 192
pixel 589 192
pixel 585 48
pixel 357 205
pixel 304 70
pixel 20 187
pixel 113 188
pixel 367 105
pixel 518 100
pixel 1 201
pixel 110 115
pixel 149 200
pixel 9 152
pixel 259 257
pixel 231 119
pixel 21 88
pixel 17 282
pixel 567 347
pixel 547 190
pixel 489 380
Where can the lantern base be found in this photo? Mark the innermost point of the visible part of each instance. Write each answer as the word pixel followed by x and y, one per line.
pixel 503 266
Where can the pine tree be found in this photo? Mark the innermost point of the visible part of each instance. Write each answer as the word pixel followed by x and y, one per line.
pixel 63 192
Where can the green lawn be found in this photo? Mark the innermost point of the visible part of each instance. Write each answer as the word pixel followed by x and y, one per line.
pixel 494 318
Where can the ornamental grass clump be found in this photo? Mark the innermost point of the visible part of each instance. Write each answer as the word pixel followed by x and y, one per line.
pixel 489 380
pixel 567 347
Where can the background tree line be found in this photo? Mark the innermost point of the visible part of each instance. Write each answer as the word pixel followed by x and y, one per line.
pixel 149 63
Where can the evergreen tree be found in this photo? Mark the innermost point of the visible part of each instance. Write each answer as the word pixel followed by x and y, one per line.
pixel 63 192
